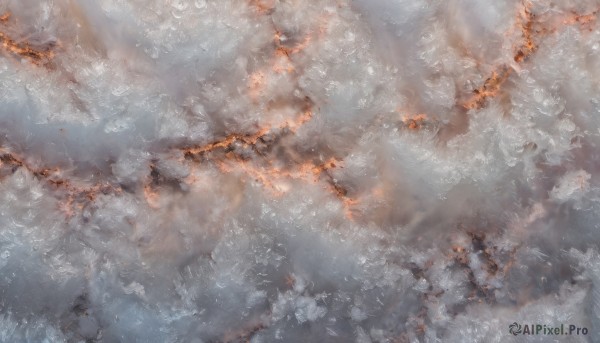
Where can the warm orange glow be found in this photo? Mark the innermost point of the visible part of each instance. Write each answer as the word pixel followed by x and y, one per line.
pixel 256 85
pixel 295 124
pixel 75 194
pixel 4 17
pixel 25 51
pixel 581 19
pixel 37 56
pixel 263 6
pixel 151 196
pixel 282 64
pixel 290 280
pixel 414 122
pixel 490 88
pixel 531 30
pixel 250 139
pixel 526 23
pixel 282 50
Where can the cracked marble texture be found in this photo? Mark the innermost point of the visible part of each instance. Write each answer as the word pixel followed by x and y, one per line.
pixel 298 171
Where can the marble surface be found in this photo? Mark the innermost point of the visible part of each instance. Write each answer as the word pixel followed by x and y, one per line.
pixel 298 171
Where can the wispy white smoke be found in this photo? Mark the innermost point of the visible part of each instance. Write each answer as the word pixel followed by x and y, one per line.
pixel 298 171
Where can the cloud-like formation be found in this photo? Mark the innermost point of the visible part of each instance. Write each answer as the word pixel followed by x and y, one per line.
pixel 298 171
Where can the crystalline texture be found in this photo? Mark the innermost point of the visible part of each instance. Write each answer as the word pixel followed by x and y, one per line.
pixel 298 171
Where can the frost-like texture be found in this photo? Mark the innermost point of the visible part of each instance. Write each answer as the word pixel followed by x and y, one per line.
pixel 298 171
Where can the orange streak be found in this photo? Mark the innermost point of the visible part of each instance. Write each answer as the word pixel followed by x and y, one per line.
pixel 531 29
pixel 250 139
pixel 48 175
pixel 491 88
pixel 414 122
pixel 24 50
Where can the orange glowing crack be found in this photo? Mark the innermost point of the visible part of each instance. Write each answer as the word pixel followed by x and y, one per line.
pixel 49 177
pixel 526 23
pixel 492 85
pixel 491 88
pixel 273 179
pixel 285 51
pixel 294 125
pixel 581 19
pixel 282 62
pixel 414 122
pixel 248 140
pixel 347 203
pixel 282 59
pixel 308 168
pixel 530 29
pixel 24 50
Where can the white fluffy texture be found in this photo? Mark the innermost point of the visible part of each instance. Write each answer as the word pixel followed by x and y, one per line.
pixel 447 230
